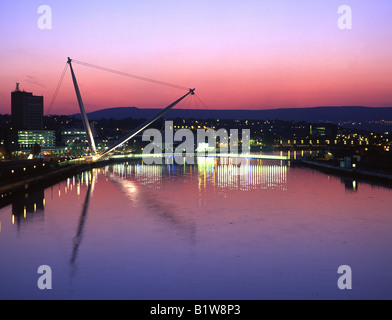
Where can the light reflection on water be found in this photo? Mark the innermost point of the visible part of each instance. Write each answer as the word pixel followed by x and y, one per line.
pixel 215 230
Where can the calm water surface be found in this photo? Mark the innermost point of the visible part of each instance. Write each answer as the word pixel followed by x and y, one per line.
pixel 208 231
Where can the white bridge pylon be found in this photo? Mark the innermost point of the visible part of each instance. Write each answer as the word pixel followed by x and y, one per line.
pixel 127 137
pixel 86 124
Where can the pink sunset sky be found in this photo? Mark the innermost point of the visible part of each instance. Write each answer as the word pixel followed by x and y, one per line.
pixel 249 54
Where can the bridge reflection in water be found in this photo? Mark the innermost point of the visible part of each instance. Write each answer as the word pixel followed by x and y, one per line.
pixel 221 173
pixel 248 175
pixel 136 231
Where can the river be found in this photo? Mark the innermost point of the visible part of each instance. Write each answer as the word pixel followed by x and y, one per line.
pixel 207 231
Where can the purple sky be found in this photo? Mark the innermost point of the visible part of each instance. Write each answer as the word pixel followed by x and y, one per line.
pixel 249 54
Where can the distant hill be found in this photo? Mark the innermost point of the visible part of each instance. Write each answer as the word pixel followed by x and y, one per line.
pixel 317 114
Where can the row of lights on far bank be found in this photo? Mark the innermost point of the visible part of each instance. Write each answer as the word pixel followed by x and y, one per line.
pixel 35 167
pixel 328 142
pixel 25 169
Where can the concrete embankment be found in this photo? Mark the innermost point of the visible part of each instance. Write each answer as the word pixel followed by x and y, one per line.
pixel 359 174
pixel 49 177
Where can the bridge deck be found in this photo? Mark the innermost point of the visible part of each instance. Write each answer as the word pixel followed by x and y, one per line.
pixel 214 155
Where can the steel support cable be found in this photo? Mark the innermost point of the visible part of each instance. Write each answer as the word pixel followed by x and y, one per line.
pixel 145 124
pixel 125 74
pixel 185 103
pixel 202 103
pixel 57 89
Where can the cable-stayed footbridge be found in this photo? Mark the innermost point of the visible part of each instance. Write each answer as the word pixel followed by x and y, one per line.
pixel 95 155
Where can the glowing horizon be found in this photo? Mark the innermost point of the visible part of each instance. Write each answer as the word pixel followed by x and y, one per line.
pixel 238 55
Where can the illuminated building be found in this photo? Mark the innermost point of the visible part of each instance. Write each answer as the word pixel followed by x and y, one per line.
pixel 27 119
pixel 72 135
pixel 28 138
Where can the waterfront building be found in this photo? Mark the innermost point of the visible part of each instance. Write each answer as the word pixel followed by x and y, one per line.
pixel 26 139
pixel 27 120
pixel 73 135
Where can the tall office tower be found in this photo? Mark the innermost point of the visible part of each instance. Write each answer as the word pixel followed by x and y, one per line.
pixel 27 110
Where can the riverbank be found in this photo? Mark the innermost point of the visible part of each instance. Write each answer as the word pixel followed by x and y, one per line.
pixel 48 177
pixel 358 174
pixel 59 172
